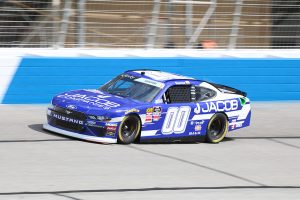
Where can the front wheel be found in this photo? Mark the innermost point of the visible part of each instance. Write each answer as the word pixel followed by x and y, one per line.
pixel 129 129
pixel 217 128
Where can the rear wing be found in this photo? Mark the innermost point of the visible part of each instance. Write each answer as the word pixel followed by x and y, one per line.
pixel 226 89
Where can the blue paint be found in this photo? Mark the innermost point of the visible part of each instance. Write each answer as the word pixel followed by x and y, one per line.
pixel 38 79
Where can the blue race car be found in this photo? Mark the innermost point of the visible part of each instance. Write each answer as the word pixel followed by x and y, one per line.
pixel 150 106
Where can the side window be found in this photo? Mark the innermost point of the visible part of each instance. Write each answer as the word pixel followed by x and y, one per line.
pixel 202 93
pixel 178 94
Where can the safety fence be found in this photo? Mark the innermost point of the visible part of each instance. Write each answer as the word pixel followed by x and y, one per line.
pixel 225 24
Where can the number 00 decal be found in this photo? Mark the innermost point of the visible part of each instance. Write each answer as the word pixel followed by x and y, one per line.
pixel 176 120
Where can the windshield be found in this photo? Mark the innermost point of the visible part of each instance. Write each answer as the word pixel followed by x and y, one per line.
pixel 132 87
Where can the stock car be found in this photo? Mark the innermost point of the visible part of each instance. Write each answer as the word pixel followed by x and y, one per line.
pixel 150 106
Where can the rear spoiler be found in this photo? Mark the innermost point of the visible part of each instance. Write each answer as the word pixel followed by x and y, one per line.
pixel 230 90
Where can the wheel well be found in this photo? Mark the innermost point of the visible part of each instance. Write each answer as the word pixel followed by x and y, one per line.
pixel 224 114
pixel 135 114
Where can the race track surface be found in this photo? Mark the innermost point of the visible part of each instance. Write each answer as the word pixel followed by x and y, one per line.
pixel 259 162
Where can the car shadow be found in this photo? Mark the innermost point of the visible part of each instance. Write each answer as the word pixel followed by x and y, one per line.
pixel 39 128
pixel 228 139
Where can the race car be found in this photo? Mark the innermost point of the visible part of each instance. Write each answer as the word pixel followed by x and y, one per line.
pixel 150 106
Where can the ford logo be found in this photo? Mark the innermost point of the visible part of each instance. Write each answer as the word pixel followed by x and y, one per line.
pixel 72 107
pixel 68 112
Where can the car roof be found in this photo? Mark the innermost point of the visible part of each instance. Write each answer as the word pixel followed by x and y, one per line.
pixel 159 75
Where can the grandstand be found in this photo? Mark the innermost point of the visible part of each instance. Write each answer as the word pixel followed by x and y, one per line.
pixel 150 23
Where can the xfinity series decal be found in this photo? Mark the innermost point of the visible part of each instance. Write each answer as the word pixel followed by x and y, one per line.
pixel 98 100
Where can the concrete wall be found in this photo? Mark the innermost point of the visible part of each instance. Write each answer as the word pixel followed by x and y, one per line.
pixel 35 79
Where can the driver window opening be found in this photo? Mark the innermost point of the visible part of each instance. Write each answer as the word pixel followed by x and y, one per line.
pixel 177 94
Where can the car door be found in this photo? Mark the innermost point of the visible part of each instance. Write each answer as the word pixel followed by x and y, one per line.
pixel 177 111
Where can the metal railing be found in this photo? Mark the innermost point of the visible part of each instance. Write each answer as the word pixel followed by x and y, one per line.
pixel 225 24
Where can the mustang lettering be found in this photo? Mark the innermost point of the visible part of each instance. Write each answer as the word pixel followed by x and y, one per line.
pixel 67 119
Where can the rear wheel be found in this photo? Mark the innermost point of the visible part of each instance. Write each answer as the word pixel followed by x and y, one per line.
pixel 129 129
pixel 217 128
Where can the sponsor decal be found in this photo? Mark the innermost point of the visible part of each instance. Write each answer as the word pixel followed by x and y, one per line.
pixel 111 128
pixel 195 133
pixel 111 134
pixel 133 110
pixel 72 107
pixel 98 100
pixel 93 124
pixel 111 124
pixel 150 82
pixel 217 106
pixel 198 128
pixel 67 119
pixel 128 76
pixel 156 113
pixel 148 118
pixel 236 124
pixel 149 110
pixel 182 83
pixel 243 101
pixel 149 113
pixel 197 122
pixel 233 124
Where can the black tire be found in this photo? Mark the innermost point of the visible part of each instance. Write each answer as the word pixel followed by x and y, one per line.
pixel 217 128
pixel 129 129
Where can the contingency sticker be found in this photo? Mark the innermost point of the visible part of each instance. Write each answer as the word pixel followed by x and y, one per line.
pixel 149 113
pixel 156 113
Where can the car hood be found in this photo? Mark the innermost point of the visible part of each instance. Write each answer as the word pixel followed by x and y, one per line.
pixel 94 102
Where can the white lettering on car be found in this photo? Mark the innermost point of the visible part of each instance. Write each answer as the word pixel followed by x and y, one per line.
pixel 176 120
pixel 98 101
pixel 67 119
pixel 218 106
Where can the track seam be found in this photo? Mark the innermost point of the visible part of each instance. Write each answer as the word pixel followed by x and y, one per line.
pixel 63 192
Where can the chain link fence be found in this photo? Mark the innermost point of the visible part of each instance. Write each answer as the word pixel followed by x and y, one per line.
pixel 225 24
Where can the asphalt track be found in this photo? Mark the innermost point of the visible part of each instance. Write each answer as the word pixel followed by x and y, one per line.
pixel 259 162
